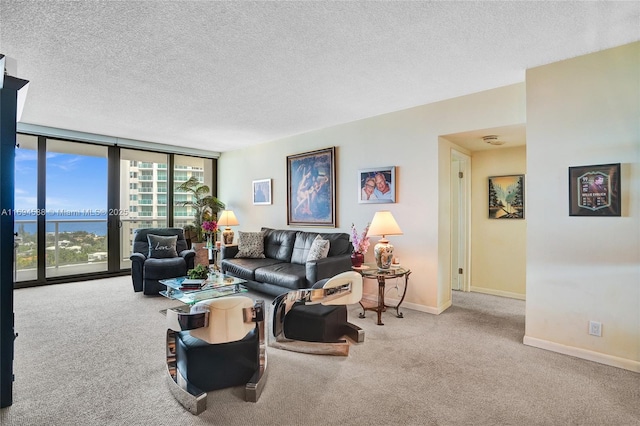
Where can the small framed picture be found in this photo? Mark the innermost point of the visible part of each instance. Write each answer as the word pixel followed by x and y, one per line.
pixel 262 191
pixel 506 197
pixel 594 190
pixel 377 185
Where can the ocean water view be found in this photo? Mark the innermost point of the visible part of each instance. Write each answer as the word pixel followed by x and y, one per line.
pixel 66 223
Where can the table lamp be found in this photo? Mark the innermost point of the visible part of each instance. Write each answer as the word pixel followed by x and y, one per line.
pixel 227 219
pixel 383 224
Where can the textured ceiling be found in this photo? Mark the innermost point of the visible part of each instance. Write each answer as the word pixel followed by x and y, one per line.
pixel 223 75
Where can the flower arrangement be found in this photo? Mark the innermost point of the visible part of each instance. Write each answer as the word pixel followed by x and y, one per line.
pixel 209 227
pixel 360 242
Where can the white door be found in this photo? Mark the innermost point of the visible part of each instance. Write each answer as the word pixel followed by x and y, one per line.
pixel 460 217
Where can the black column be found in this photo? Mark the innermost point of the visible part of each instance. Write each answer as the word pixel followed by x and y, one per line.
pixel 8 108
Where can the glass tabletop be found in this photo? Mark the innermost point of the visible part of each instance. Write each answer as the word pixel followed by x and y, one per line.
pixel 217 285
pixel 372 270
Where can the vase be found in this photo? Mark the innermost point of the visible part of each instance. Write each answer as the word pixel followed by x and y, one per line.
pixel 209 241
pixel 357 259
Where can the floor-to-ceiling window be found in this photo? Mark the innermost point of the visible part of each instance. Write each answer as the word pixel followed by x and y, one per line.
pixel 143 195
pixel 26 209
pixel 184 168
pixel 65 198
pixel 75 208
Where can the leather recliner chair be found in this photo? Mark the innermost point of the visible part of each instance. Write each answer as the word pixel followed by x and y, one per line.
pixel 154 258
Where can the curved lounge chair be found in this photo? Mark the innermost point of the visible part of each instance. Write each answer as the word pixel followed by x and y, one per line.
pixel 218 344
pixel 315 320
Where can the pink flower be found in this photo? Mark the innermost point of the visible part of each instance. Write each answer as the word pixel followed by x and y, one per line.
pixel 209 226
pixel 359 243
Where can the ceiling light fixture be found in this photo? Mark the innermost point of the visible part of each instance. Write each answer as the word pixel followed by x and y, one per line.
pixel 492 140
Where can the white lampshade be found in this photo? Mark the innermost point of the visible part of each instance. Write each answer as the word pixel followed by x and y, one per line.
pixel 228 218
pixel 383 224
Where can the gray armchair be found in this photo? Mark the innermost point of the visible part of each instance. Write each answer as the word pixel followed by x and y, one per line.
pixel 157 254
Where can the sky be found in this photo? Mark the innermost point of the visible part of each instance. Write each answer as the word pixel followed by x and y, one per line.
pixel 75 183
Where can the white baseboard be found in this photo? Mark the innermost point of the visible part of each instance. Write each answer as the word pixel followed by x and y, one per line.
pixel 598 357
pixel 408 305
pixel 498 293
pixel 416 307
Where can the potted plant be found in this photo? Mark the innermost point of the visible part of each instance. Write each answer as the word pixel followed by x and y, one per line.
pixel 198 272
pixel 205 207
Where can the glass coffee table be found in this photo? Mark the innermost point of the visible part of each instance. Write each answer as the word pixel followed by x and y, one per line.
pixel 217 285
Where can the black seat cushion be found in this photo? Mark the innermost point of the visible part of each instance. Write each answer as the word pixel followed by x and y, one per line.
pixel 216 366
pixel 156 269
pixel 289 275
pixel 245 268
pixel 315 323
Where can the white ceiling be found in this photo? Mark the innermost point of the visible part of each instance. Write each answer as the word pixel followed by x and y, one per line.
pixel 224 75
pixel 473 140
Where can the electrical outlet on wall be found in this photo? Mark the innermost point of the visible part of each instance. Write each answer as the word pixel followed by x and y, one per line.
pixel 595 328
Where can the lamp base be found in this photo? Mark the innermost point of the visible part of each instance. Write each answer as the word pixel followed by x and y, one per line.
pixel 383 253
pixel 227 236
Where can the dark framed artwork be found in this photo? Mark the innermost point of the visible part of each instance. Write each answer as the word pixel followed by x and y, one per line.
pixel 261 191
pixel 311 193
pixel 377 185
pixel 594 190
pixel 506 197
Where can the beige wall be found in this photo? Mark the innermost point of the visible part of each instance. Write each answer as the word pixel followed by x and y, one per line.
pixel 579 112
pixel 498 247
pixel 407 139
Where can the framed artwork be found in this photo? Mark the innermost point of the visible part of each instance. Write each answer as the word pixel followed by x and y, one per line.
pixel 506 197
pixel 311 188
pixel 377 185
pixel 594 190
pixel 261 191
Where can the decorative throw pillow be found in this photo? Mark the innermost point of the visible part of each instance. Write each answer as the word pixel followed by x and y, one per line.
pixel 251 245
pixel 161 247
pixel 319 249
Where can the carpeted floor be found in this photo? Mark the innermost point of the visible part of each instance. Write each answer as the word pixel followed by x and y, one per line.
pixel 92 353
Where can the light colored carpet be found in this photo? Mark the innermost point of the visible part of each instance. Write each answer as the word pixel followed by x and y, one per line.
pixel 92 353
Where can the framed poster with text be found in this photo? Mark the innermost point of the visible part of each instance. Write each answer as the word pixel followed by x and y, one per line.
pixel 594 190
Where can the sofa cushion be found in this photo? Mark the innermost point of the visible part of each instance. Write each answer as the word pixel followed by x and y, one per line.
pixel 251 245
pixel 338 243
pixel 287 275
pixel 245 268
pixel 162 247
pixel 302 245
pixel 319 249
pixel 278 244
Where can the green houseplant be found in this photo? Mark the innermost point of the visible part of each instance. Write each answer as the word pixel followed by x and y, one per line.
pixel 205 207
pixel 198 272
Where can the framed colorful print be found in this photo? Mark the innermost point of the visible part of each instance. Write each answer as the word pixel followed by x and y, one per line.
pixel 594 190
pixel 311 193
pixel 506 197
pixel 261 191
pixel 377 185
